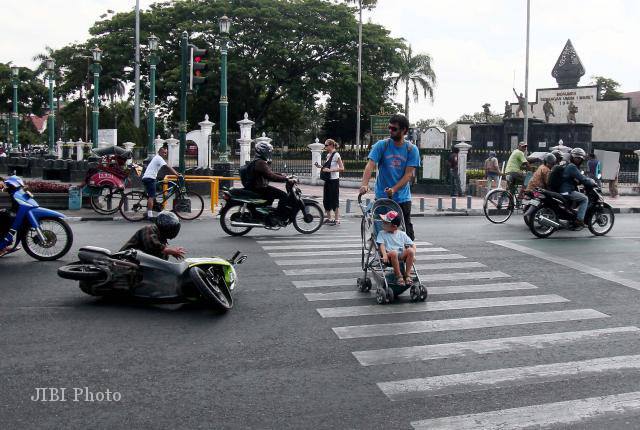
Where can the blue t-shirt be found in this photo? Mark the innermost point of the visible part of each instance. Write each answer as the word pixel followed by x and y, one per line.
pixel 394 241
pixel 392 167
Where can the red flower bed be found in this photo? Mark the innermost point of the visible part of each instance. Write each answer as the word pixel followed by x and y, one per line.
pixel 47 187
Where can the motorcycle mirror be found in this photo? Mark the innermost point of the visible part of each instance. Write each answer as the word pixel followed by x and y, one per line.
pixel 236 255
pixel 241 260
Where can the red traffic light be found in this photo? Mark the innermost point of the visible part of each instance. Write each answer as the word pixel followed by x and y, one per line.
pixel 197 59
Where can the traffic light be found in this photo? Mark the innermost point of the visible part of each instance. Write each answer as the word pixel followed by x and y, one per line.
pixel 197 66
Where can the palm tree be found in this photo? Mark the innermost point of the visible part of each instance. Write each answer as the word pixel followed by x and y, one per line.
pixel 415 72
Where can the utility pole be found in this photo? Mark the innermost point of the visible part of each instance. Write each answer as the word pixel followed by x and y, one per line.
pixel 525 132
pixel 136 102
pixel 359 98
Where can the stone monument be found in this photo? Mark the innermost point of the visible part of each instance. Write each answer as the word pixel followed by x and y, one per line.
pixel 568 69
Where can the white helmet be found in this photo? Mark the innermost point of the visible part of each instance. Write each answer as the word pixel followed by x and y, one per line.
pixel 264 150
pixel 578 153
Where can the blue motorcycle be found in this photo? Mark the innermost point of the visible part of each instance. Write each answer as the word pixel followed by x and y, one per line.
pixel 43 233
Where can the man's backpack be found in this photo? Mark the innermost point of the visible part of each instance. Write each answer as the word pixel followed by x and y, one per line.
pixel 247 174
pixel 555 178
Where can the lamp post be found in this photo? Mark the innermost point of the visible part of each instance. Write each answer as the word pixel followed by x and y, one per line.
pixel 224 23
pixel 15 73
pixel 51 120
pixel 153 60
pixel 96 68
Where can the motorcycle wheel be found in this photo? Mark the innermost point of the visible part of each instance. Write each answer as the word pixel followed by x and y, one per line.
pixel 210 290
pixel 81 272
pixel 134 206
pixel 231 213
pixel 106 197
pixel 600 222
pixel 58 239
pixel 498 206
pixel 309 221
pixel 538 229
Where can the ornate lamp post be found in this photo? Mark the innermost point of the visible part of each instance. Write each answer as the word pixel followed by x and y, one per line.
pixel 225 24
pixel 96 68
pixel 153 60
pixel 15 74
pixel 51 120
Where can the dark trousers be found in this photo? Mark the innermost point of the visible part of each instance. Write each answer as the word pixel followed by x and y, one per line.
pixel 456 189
pixel 406 212
pixel 270 194
pixel 331 195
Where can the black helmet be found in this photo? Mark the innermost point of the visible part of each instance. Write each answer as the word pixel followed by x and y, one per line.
pixel 168 224
pixel 558 154
pixel 549 160
pixel 264 151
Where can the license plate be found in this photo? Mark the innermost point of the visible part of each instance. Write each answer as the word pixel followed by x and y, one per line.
pixel 534 202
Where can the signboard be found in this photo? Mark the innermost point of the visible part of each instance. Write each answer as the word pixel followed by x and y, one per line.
pixel 379 127
pixel 108 136
pixel 433 137
pixel 430 167
pixel 609 163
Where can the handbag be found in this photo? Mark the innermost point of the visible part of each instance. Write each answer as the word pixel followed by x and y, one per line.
pixel 326 176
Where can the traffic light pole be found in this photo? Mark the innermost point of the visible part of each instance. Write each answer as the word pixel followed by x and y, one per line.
pixel 224 103
pixel 51 120
pixel 184 48
pixel 95 114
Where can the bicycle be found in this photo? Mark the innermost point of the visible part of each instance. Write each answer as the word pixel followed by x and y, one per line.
pixel 187 205
pixel 499 204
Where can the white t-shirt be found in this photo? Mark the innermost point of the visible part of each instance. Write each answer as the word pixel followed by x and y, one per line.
pixel 154 167
pixel 334 164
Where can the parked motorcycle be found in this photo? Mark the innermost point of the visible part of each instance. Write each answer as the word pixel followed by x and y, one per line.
pixel 43 233
pixel 549 212
pixel 137 275
pixel 244 210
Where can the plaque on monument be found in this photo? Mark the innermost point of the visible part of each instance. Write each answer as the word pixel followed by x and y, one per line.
pixel 431 167
pixel 433 137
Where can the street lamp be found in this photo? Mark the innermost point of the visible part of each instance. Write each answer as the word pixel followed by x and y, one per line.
pixel 153 60
pixel 15 73
pixel 96 68
pixel 51 120
pixel 225 24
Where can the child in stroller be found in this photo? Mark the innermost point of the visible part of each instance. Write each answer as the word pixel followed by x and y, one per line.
pixel 396 246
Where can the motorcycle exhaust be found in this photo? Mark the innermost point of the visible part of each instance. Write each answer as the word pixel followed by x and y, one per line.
pixel 547 222
pixel 246 224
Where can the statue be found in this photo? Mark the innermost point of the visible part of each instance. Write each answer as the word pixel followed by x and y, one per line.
pixel 548 111
pixel 522 105
pixel 508 112
pixel 487 111
pixel 571 116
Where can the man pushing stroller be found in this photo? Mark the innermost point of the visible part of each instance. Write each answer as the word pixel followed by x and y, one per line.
pixel 395 247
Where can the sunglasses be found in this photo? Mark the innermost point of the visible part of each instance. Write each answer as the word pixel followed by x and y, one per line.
pixel 328 144
pixel 393 128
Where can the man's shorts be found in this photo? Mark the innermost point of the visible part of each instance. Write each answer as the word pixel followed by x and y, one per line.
pixel 515 177
pixel 150 187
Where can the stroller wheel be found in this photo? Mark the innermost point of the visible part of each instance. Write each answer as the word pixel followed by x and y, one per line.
pixel 390 295
pixel 423 293
pixel 364 285
pixel 381 297
pixel 414 293
pixel 367 284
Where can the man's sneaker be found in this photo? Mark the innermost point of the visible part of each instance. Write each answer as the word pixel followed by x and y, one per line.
pixel 580 223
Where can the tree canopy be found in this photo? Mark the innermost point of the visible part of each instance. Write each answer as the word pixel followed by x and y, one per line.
pixel 607 88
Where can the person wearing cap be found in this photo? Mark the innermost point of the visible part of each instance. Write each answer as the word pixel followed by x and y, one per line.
pixel 516 165
pixel 396 246
pixel 491 170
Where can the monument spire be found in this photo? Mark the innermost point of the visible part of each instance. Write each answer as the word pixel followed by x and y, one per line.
pixel 568 69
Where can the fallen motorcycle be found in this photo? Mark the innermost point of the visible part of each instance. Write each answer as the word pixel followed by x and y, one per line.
pixel 137 275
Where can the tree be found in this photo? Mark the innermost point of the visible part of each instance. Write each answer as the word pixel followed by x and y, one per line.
pixel 415 73
pixel 429 122
pixel 607 88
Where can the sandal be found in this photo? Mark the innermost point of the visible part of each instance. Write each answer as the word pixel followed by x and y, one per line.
pixel 408 281
pixel 400 282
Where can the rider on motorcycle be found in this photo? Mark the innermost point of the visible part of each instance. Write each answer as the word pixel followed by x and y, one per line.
pixel 261 174
pixel 11 184
pixel 571 176
pixel 152 239
pixel 541 176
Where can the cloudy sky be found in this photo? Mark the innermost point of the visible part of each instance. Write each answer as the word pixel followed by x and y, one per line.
pixel 478 47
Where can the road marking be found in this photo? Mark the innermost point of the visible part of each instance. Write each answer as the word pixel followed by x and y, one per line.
pixel 327 246
pixel 539 416
pixel 318 261
pixel 392 329
pixel 508 377
pixel 607 276
pixel 485 346
pixel 330 252
pixel 356 269
pixel 433 291
pixel 493 302
pixel 316 240
pixel 305 237
pixel 338 282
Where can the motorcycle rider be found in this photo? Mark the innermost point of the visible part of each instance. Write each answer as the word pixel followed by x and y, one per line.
pixel 11 184
pixel 571 176
pixel 541 175
pixel 152 239
pixel 261 174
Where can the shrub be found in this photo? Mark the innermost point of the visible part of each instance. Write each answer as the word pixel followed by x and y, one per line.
pixel 47 187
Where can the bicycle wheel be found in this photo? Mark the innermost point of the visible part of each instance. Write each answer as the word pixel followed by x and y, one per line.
pixel 187 205
pixel 134 206
pixel 498 206
pixel 106 200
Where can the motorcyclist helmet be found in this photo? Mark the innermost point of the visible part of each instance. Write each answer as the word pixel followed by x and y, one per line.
pixel 13 183
pixel 578 153
pixel 264 151
pixel 558 154
pixel 168 224
pixel 549 160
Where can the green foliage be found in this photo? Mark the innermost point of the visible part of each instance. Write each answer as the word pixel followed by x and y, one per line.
pixel 430 122
pixel 607 88
pixel 481 117
pixel 415 73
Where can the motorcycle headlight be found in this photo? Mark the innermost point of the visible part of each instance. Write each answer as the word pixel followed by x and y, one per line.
pixel 232 279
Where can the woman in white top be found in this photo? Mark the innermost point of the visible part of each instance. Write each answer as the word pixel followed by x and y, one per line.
pixel 331 196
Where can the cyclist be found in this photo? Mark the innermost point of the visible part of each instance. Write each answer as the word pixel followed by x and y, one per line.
pixel 152 239
pixel 151 173
pixel 516 165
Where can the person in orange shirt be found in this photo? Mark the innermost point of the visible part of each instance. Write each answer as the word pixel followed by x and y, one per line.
pixel 541 176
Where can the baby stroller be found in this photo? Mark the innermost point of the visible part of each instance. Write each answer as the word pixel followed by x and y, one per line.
pixel 373 266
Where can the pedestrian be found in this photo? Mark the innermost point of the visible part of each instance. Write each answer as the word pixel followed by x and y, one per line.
pixel 593 168
pixel 454 175
pixel 149 179
pixel 396 160
pixel 491 170
pixel 330 173
pixel 613 184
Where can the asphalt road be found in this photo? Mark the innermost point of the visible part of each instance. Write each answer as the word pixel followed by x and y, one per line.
pixel 521 331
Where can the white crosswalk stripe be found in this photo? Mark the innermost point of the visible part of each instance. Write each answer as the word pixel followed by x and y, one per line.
pixel 356 311
pixel 470 323
pixel 463 276
pixel 487 346
pixel 338 270
pixel 314 240
pixel 508 377
pixel 539 416
pixel 334 252
pixel 354 245
pixel 332 261
pixel 338 237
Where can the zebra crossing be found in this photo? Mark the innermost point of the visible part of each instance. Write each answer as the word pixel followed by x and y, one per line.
pixel 534 319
